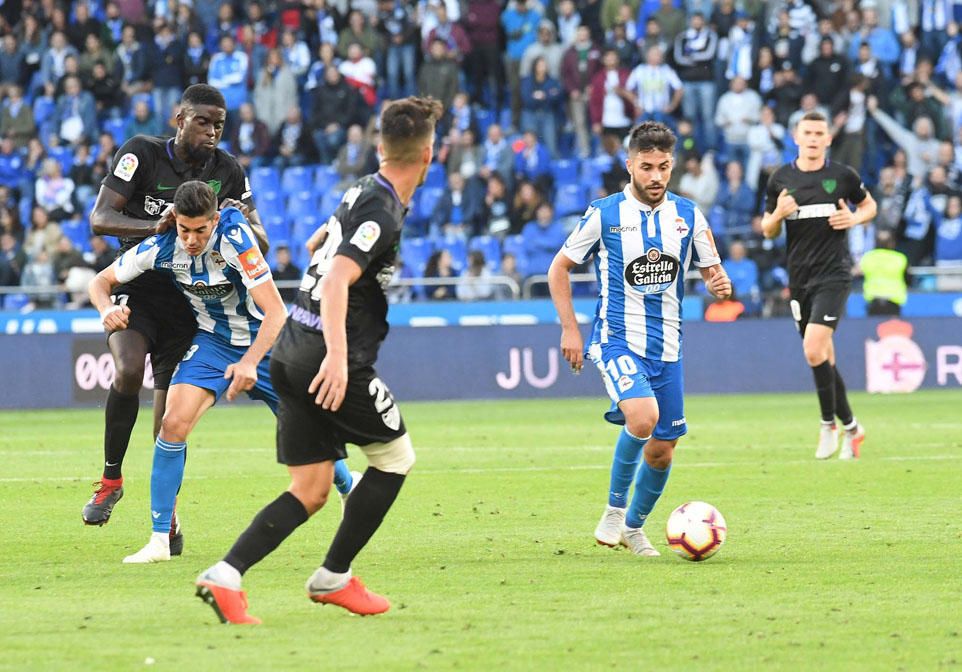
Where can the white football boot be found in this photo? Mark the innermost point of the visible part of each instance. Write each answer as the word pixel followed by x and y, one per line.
pixel 637 542
pixel 608 532
pixel 827 441
pixel 156 550
pixel 852 443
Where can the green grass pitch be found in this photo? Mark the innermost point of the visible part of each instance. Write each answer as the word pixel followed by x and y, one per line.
pixel 488 555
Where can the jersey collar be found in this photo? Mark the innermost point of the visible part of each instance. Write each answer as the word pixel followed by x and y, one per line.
pixel 181 167
pixel 630 197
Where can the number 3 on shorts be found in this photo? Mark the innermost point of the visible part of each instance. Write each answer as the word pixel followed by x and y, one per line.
pixel 191 351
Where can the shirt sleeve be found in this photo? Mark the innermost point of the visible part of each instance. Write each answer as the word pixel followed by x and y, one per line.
pixel 772 190
pixel 856 192
pixel 139 259
pixel 239 249
pixel 129 171
pixel 585 239
pixel 368 233
pixel 239 187
pixel 704 252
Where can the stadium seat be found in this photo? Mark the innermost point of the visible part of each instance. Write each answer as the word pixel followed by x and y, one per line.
pixel 436 176
pixel 302 228
pixel 296 179
pixel 43 109
pixel 325 178
pixel 329 202
pixel 78 231
pixel 427 201
pixel 593 169
pixel 269 204
pixel 265 178
pixel 565 171
pixel 490 247
pixel 64 156
pixel 415 253
pixel 457 248
pixel 515 245
pixel 484 119
pixel 278 230
pixel 570 199
pixel 14 301
pixel 117 129
pixel 142 98
pixel 302 204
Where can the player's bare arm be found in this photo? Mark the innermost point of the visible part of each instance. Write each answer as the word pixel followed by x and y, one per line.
pixel 717 281
pixel 559 284
pixel 114 317
pixel 243 374
pixel 844 218
pixel 330 383
pixel 107 218
pixel 317 238
pixel 772 221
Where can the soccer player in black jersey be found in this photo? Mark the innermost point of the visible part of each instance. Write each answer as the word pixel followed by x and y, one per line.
pixel 322 367
pixel 132 205
pixel 812 195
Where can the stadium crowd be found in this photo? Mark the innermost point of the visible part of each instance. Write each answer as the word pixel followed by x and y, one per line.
pixel 539 96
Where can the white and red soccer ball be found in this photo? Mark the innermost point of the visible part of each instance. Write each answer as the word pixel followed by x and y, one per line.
pixel 696 530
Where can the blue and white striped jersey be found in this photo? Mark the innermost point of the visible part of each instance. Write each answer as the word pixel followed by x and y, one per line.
pixel 216 282
pixel 641 256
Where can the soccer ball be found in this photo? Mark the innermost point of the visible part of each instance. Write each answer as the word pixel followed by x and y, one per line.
pixel 695 531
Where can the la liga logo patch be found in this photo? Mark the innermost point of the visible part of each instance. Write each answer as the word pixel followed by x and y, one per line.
pixel 366 235
pixel 127 166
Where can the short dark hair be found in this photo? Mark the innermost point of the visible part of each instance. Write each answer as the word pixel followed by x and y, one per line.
pixel 651 135
pixel 406 124
pixel 814 115
pixel 203 94
pixel 195 199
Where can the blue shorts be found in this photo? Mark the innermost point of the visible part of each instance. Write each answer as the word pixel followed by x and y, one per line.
pixel 628 375
pixel 206 360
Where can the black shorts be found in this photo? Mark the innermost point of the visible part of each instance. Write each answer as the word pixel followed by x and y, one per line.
pixel 165 319
pixel 307 434
pixel 822 304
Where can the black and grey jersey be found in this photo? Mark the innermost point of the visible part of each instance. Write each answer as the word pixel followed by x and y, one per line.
pixel 366 227
pixel 817 253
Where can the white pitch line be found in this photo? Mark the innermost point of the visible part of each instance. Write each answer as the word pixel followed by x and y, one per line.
pixel 531 469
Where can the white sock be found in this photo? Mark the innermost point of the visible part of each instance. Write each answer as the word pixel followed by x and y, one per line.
pixel 328 581
pixel 852 426
pixel 226 575
pixel 162 538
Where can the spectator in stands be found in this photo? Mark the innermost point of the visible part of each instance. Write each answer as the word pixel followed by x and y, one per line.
pixel 578 66
pixel 786 41
pixel 868 65
pixel 727 309
pixel 264 30
pixel 694 51
pixel 459 210
pixel 276 88
pixel 352 157
pixel 483 66
pixel 786 95
pixel 53 192
pixel 655 89
pixel 891 196
pixel 738 109
pixel 76 113
pixel 524 208
pixel 32 163
pixel 438 76
pixel 43 234
pixel 546 47
pixel 10 222
pixel 496 209
pixel 106 148
pixel 165 66
pixel 11 164
pixel 440 265
pixel 541 103
pixel 496 155
pixel 65 258
pixel 914 102
pixel 457 41
pixel 335 107
pixel 11 60
pixel 133 62
pixel 359 32
pixel 509 268
pixel 143 121
pixel 399 36
pixel 881 41
pixel 568 21
pixel 744 275
pixel 520 24
pixel 925 207
pixel 543 237
pixel 948 235
pixel 461 115
pixel 250 139
pixel 742 43
pixel 16 118
pixel 617 40
pixel 763 76
pixel 360 72
pixel 884 271
pixel 101 254
pixel 766 140
pixel 256 53
pixel 326 58
pixel 12 261
pixel 478 285
pixel 920 145
pixel 196 60
pixel 465 157
pixel 609 106
pixel 654 37
pixel 533 163
pixel 671 19
pixel 735 204
pixel 96 52
pixel 83 24
pixel 81 172
pixel 33 45
pixel 700 181
pixel 38 272
pixel 296 54
pixel 286 269
pixel 826 71
pixel 108 95
pixel 228 72
pixel 293 142
pixel 848 145
pixel 52 64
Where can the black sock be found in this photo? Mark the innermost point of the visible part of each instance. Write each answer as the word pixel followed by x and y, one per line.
pixel 365 510
pixel 270 527
pixel 825 387
pixel 121 416
pixel 842 409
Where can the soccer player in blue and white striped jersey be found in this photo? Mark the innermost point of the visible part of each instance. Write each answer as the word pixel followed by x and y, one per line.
pixel 643 239
pixel 214 260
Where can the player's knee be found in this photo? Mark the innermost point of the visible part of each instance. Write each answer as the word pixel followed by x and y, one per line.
pixel 174 427
pixel 815 354
pixel 313 499
pixel 394 457
pixel 641 425
pixel 128 375
pixel 659 454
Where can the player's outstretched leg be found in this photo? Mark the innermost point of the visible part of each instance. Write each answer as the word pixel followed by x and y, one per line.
pixel 853 432
pixel 652 477
pixel 370 501
pixel 165 479
pixel 624 466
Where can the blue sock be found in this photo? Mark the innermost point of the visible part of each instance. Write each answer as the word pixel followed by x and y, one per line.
pixel 623 468
pixel 165 479
pixel 648 488
pixel 342 477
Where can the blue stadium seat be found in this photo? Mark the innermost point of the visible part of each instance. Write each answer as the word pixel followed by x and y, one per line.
pixel 427 200
pixel 515 245
pixel 278 230
pixel 415 253
pixel 569 200
pixel 142 98
pixel 64 156
pixel 117 129
pixel 43 109
pixel 490 247
pixel 78 231
pixel 301 204
pixel 458 249
pixel 593 169
pixel 269 203
pixel 302 228
pixel 565 171
pixel 484 119
pixel 325 178
pixel 265 178
pixel 297 178
pixel 329 202
pixel 436 176
pixel 14 301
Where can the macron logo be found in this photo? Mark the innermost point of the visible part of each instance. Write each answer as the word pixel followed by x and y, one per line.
pixel 155 514
pixel 677 423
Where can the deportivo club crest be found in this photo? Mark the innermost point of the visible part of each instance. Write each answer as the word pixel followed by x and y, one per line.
pixel 829 186
pixel 894 363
